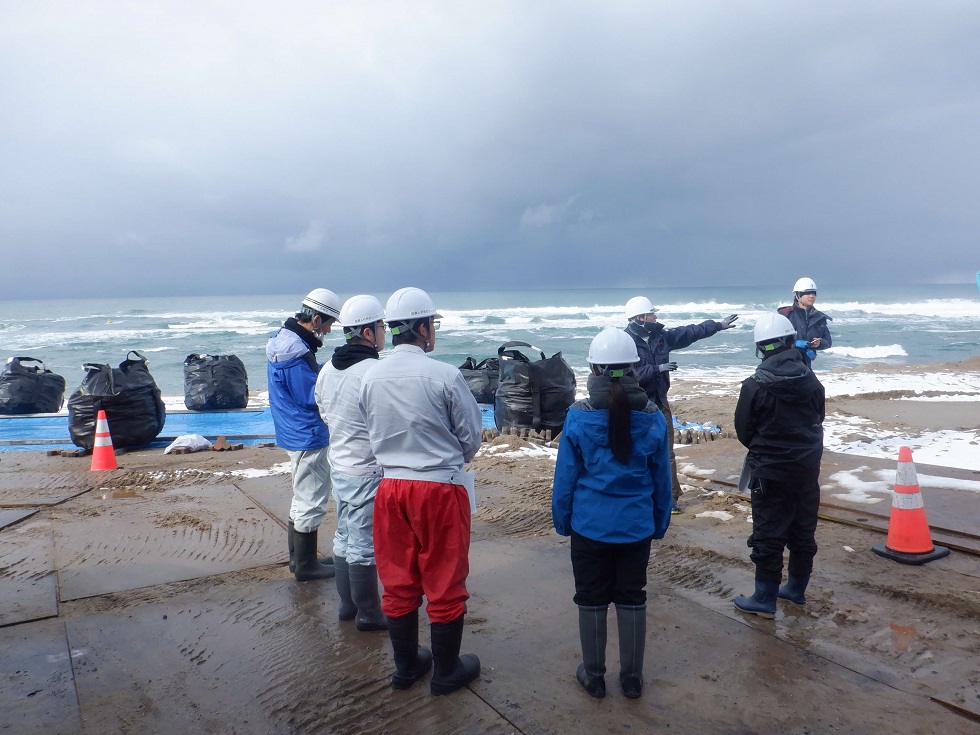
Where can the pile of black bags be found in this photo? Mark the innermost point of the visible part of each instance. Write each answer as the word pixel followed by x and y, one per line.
pixel 215 382
pixel 130 397
pixel 28 389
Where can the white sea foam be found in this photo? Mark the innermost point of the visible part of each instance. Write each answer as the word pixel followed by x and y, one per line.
pixel 869 353
pixel 942 308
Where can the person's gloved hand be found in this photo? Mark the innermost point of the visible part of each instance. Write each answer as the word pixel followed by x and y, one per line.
pixel 801 344
pixel 667 367
pixel 810 354
pixel 729 321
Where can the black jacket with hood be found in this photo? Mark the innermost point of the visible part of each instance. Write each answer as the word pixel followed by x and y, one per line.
pixel 779 418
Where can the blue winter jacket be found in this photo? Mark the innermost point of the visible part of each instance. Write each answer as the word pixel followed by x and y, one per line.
pixel 292 372
pixel 600 498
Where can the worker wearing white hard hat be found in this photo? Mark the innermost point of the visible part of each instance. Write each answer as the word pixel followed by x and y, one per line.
pixel 292 371
pixel 654 344
pixel 424 425
pixel 779 418
pixel 811 325
pixel 612 495
pixel 354 471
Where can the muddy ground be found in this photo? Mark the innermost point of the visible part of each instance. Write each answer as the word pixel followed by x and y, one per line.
pixel 155 599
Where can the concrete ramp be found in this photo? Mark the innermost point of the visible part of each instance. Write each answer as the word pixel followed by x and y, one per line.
pixel 116 540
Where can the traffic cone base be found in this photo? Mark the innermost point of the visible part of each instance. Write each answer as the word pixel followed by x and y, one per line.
pixel 938 552
pixel 908 540
pixel 103 455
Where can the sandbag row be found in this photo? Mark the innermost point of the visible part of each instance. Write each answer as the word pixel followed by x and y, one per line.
pixel 128 394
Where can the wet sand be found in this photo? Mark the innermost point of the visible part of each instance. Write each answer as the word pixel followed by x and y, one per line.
pixel 155 599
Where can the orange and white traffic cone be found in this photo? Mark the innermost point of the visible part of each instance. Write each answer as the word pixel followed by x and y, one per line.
pixel 908 540
pixel 103 455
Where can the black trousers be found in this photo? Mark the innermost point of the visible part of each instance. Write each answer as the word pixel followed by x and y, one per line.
pixel 607 572
pixel 784 515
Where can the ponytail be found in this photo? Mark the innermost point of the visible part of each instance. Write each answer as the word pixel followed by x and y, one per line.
pixel 620 438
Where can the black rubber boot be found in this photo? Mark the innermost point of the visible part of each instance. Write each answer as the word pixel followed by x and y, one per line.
pixel 411 662
pixel 794 590
pixel 632 620
pixel 592 632
pixel 308 567
pixel 291 543
pixel 450 670
pixel 364 590
pixel 762 602
pixel 347 609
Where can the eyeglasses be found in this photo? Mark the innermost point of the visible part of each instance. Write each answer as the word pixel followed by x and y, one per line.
pixel 436 324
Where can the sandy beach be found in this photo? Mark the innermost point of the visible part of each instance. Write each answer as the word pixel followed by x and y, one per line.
pixel 155 598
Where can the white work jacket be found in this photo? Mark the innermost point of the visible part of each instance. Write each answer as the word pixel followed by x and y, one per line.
pixel 423 422
pixel 337 396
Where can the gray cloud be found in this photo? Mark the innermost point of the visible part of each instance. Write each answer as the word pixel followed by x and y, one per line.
pixel 211 148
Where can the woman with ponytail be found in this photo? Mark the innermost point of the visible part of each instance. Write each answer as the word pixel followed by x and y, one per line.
pixel 612 495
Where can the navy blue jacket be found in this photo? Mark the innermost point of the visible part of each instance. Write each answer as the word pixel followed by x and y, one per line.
pixel 808 324
pixel 655 350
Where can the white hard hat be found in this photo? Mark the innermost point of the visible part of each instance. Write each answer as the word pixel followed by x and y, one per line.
pixel 408 304
pixel 639 305
pixel 772 326
pixel 361 309
pixel 613 347
pixel 323 301
pixel 804 284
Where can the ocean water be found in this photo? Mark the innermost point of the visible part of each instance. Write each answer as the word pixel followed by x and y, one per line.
pixel 911 326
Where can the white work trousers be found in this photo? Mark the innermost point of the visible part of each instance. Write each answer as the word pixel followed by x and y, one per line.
pixel 311 488
pixel 354 495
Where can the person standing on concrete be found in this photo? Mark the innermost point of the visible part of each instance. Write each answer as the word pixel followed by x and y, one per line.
pixel 611 494
pixel 779 418
pixel 292 373
pixel 424 425
pixel 654 344
pixel 812 330
pixel 354 472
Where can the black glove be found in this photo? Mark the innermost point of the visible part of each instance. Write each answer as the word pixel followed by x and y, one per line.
pixel 667 367
pixel 729 321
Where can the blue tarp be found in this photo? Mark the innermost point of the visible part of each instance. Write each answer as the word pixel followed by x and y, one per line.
pixel 247 426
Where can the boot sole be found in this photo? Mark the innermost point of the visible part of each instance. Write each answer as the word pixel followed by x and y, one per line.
pixel 795 602
pixel 760 613
pixel 368 627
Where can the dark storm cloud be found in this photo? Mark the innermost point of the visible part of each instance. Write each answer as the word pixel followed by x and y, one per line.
pixel 218 148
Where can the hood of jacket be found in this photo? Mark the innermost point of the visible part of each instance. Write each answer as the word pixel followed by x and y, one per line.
pixel 786 376
pixel 347 355
pixel 600 387
pixel 290 342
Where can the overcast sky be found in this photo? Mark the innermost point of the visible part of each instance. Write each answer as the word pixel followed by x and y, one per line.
pixel 257 147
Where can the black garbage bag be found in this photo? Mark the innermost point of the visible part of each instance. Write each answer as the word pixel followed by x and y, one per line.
pixel 30 388
pixel 532 394
pixel 481 378
pixel 215 382
pixel 130 398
